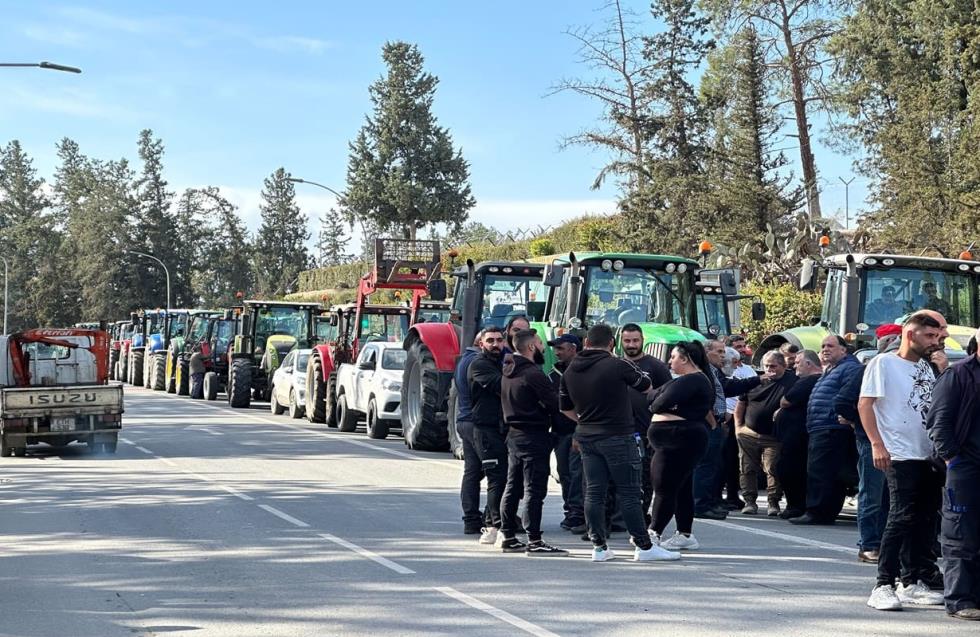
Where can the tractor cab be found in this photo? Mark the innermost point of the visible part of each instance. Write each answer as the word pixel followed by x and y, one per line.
pixel 433 312
pixel 718 299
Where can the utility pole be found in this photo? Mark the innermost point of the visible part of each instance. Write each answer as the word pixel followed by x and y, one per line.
pixel 847 201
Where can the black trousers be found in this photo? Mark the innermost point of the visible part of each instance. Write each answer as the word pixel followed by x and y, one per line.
pixel 569 464
pixel 730 470
pixel 528 468
pixel 792 465
pixel 827 455
pixel 616 459
pixel 914 492
pixel 469 488
pixel 677 447
pixel 491 449
pixel 960 536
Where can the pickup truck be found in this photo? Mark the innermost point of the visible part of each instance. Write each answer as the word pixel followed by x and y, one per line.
pixel 54 389
pixel 372 386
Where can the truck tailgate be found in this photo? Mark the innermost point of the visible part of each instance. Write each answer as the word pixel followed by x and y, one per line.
pixel 24 402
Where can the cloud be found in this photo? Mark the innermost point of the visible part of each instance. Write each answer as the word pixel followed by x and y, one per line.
pixel 67 102
pixel 289 43
pixel 57 35
pixel 108 21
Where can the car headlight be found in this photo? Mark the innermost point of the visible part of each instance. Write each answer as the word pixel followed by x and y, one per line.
pixel 390 385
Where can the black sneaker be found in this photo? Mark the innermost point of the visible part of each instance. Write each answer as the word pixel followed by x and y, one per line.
pixel 512 545
pixel 540 549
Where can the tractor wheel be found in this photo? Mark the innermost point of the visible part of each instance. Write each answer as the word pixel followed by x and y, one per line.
pixel 113 363
pixel 210 386
pixel 316 392
pixel 170 375
pixel 422 401
pixel 346 417
pixel 136 368
pixel 158 377
pixel 376 428
pixel 148 367
pixel 182 381
pixel 331 403
pixel 455 441
pixel 240 384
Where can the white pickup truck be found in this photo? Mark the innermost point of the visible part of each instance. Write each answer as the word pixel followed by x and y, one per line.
pixel 53 388
pixel 372 386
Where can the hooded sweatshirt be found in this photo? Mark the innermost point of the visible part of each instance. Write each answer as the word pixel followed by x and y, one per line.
pixel 527 396
pixel 596 386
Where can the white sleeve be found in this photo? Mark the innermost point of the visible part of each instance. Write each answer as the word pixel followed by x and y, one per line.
pixel 873 384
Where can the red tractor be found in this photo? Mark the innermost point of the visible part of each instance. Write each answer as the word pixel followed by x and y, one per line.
pixel 399 264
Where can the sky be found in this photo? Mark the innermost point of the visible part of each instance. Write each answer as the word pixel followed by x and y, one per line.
pixel 238 89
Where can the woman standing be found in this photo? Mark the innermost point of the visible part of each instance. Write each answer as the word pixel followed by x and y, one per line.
pixel 679 436
pixel 516 323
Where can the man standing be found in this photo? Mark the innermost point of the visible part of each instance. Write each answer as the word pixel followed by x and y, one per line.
pixel 469 490
pixel 737 342
pixel 568 460
pixel 754 431
pixel 790 429
pixel 831 443
pixel 895 398
pixel 954 427
pixel 595 393
pixel 528 402
pixel 484 376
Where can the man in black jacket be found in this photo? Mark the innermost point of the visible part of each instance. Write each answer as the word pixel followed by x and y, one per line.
pixel 528 401
pixel 567 459
pixel 484 376
pixel 954 428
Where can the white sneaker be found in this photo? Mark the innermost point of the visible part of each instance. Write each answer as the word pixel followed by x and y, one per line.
pixel 653 536
pixel 489 536
pixel 919 594
pixel 600 554
pixel 499 542
pixel 680 542
pixel 654 554
pixel 884 598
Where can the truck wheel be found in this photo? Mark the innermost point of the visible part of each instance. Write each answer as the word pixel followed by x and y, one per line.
pixel 210 386
pixel 330 405
pixel 240 384
pixel 136 368
pixel 295 409
pixel 158 376
pixel 346 417
pixel 182 382
pixel 455 441
pixel 274 406
pixel 376 428
pixel 422 401
pixel 316 391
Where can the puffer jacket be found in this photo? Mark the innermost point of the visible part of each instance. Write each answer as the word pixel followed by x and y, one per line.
pixel 821 412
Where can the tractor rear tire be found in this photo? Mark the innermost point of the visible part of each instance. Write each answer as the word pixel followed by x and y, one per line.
pixel 422 401
pixel 136 368
pixel 316 390
pixel 346 417
pixel 240 384
pixel 455 441
pixel 182 381
pixel 210 386
pixel 158 377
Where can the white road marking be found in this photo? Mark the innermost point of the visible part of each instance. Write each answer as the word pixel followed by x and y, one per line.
pixel 795 539
pixel 363 552
pixel 502 615
pixel 127 441
pixel 284 516
pixel 144 450
pixel 235 492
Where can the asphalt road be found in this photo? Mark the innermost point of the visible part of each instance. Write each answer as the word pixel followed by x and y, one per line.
pixel 212 521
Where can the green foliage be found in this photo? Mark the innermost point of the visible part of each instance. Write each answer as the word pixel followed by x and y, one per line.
pixel 332 240
pixel 403 173
pixel 786 306
pixel 541 247
pixel 280 253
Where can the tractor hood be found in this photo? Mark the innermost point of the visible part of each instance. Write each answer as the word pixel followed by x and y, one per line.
pixel 665 334
pixel 277 347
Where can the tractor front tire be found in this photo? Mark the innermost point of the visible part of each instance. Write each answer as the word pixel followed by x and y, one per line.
pixel 182 381
pixel 331 402
pixel 210 386
pixel 316 390
pixel 422 401
pixel 158 377
pixel 240 384
pixel 136 368
pixel 113 363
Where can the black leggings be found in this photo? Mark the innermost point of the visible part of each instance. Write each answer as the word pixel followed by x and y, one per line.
pixel 678 445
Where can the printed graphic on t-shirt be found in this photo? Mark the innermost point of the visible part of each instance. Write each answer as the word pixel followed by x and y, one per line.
pixel 920 399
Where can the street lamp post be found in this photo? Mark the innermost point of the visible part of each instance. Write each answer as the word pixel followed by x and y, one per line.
pixel 162 264
pixel 51 66
pixel 847 201
pixel 297 180
pixel 5 294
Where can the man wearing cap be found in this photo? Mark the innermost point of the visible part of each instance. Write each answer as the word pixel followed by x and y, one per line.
pixel 885 309
pixel 569 460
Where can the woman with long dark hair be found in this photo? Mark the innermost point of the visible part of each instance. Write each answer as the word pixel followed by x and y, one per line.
pixel 515 324
pixel 678 434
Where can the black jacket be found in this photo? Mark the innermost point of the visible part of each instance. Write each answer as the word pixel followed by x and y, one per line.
pixel 659 374
pixel 527 396
pixel 955 408
pixel 484 377
pixel 596 386
pixel 561 424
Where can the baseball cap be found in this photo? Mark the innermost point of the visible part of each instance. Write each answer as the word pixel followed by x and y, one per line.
pixel 888 329
pixel 567 338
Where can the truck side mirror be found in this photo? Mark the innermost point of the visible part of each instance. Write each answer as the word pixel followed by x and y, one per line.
pixel 808 278
pixel 437 289
pixel 758 311
pixel 553 275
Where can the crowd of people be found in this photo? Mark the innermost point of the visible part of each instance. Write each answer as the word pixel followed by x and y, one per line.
pixel 639 443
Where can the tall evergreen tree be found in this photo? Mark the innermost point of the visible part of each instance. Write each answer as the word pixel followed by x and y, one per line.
pixel 225 263
pixel 332 240
pixel 280 252
pixel 403 173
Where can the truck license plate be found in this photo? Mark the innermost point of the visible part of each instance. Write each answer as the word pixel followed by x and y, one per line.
pixel 62 424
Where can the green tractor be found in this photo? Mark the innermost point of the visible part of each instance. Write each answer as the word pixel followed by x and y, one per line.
pixel 176 377
pixel 267 331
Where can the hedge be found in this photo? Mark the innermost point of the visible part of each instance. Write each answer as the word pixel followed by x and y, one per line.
pixel 786 306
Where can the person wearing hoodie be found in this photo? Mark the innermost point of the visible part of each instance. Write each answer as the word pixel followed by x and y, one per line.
pixel 595 393
pixel 568 460
pixel 469 490
pixel 528 401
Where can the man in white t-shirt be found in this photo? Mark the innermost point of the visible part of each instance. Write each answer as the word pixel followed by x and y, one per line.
pixel 896 394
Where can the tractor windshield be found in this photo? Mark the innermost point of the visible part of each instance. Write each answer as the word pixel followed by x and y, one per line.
pixel 199 329
pixel 224 334
pixel 712 315
pixel 285 321
pixel 388 328
pixel 895 292
pixel 638 295
pixel 325 332
pixel 433 315
pixel 507 296
pixel 178 324
pixel 153 324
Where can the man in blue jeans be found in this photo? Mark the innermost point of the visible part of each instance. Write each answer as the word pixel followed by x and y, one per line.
pixel 594 392
pixel 469 491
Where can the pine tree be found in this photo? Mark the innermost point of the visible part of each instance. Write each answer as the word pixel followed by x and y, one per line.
pixel 332 240
pixel 280 252
pixel 403 173
pixel 224 262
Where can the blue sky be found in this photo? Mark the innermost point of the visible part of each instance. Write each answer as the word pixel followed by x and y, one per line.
pixel 236 90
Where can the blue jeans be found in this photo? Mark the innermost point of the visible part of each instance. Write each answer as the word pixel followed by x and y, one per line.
pixel 872 503
pixel 615 459
pixel 707 473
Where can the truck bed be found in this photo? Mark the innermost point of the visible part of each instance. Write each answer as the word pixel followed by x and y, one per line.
pixel 62 400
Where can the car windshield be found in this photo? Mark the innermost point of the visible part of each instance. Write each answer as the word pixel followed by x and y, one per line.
pixel 711 313
pixel 508 296
pixel 893 293
pixel 386 328
pixel 286 321
pixel 638 295
pixel 393 359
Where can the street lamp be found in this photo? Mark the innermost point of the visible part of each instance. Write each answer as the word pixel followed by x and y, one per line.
pixel 51 66
pixel 162 264
pixel 5 295
pixel 297 180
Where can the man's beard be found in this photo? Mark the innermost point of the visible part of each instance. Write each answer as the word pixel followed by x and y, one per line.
pixel 633 352
pixel 538 357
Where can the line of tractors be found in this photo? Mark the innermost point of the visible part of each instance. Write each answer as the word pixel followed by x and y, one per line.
pixel 670 297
